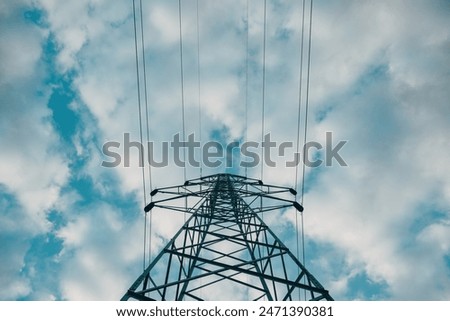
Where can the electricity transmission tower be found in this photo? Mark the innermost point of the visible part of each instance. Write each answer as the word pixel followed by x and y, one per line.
pixel 225 251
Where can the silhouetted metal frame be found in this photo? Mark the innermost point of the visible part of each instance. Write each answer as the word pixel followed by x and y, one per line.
pixel 224 211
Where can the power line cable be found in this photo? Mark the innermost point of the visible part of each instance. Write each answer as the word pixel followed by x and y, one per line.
pixel 199 92
pixel 182 88
pixel 147 127
pixel 182 97
pixel 263 90
pixel 308 73
pixel 246 78
pixel 307 100
pixel 141 160
pixel 300 89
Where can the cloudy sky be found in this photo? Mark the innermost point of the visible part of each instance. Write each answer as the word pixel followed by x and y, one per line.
pixel 377 229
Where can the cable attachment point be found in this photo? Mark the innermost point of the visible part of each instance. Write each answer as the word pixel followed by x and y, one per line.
pixel 149 207
pixel 298 206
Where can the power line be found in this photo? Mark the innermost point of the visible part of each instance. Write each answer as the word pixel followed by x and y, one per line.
pixel 199 92
pixel 246 81
pixel 182 89
pixel 246 92
pixel 306 127
pixel 147 125
pixel 145 90
pixel 247 25
pixel 300 89
pixel 138 78
pixel 182 97
pixel 263 90
pixel 307 98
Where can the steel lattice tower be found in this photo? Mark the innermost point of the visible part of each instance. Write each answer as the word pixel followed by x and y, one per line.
pixel 225 251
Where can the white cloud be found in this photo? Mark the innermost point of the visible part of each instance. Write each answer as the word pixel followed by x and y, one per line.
pixel 14 244
pixel 396 154
pixel 99 248
pixel 362 209
pixel 75 23
pixel 379 75
pixel 32 167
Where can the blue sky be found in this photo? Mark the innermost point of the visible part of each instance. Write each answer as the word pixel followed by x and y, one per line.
pixel 377 229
